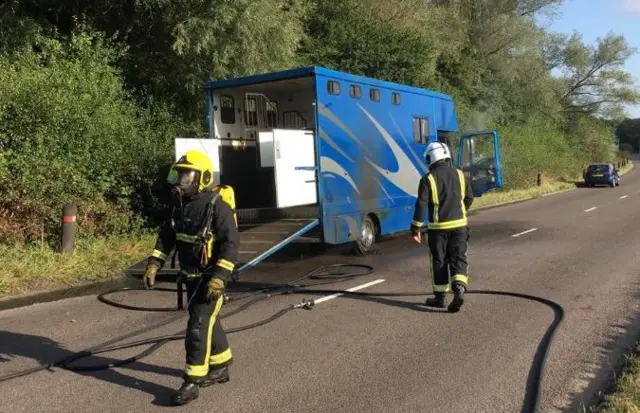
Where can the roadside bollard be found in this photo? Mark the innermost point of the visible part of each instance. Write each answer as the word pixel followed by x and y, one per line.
pixel 539 179
pixel 69 212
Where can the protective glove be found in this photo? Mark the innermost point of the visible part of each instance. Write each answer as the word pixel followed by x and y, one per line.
pixel 149 278
pixel 215 289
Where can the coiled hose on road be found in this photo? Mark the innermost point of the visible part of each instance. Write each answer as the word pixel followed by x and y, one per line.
pixel 532 392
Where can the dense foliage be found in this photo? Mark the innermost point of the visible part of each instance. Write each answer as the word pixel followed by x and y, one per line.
pixel 92 92
pixel 628 132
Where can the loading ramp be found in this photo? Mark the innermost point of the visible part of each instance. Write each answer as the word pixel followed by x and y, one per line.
pixel 263 232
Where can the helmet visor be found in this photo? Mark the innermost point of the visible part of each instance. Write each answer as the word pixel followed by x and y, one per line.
pixel 183 177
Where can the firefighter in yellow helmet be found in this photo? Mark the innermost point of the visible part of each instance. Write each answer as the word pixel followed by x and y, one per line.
pixel 203 229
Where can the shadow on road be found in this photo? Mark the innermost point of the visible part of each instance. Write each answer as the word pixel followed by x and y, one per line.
pixel 45 351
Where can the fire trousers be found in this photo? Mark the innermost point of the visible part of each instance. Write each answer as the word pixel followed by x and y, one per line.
pixel 448 253
pixel 206 342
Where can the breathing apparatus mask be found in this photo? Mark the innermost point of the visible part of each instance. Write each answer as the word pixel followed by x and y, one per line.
pixel 184 182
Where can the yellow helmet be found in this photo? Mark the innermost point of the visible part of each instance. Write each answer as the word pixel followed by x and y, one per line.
pixel 192 173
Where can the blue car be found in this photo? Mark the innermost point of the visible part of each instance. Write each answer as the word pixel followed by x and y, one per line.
pixel 601 174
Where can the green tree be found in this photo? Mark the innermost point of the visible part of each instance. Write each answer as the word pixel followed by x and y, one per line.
pixel 394 40
pixel 174 47
pixel 82 82
pixel 69 132
pixel 628 132
pixel 594 79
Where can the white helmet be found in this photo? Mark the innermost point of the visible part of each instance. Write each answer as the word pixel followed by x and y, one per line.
pixel 436 151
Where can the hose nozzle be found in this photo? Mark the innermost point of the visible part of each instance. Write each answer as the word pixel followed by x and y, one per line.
pixel 306 304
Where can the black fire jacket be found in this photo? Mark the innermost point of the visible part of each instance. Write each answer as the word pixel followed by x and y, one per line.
pixel 445 195
pixel 184 223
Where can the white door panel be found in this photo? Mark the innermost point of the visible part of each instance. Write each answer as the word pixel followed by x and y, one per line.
pixel 295 162
pixel 265 140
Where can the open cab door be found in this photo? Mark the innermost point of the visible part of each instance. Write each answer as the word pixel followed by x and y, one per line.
pixel 479 159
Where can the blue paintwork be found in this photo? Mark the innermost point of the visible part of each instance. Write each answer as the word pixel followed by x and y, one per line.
pixel 391 203
pixel 318 71
pixel 369 163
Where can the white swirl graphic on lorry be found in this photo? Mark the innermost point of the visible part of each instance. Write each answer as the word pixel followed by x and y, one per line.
pixel 407 176
pixel 328 165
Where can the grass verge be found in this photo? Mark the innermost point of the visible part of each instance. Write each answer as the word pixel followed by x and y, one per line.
pixel 625 169
pixel 626 396
pixel 502 197
pixel 35 269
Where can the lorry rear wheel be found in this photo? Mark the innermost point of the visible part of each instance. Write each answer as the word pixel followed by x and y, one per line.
pixel 367 239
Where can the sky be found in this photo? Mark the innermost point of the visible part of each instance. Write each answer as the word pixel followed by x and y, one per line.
pixel 594 19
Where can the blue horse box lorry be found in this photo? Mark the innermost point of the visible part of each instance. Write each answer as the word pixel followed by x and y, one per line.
pixel 329 155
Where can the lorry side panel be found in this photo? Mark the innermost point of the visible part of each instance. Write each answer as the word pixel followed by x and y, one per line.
pixel 371 158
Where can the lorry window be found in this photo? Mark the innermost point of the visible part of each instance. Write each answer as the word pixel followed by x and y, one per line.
pixel 420 129
pixel 374 95
pixel 227 109
pixel 333 87
pixel 355 91
pixel 395 98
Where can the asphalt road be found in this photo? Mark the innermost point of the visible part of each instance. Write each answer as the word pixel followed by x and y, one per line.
pixel 389 354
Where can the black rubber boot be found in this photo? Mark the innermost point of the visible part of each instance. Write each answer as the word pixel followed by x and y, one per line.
pixel 187 393
pixel 437 301
pixel 220 375
pixel 458 298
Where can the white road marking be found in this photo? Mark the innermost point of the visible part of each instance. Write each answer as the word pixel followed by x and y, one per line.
pixel 356 288
pixel 590 209
pixel 525 232
pixel 624 196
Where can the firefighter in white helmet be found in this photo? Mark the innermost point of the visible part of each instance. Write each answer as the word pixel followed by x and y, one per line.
pixel 444 196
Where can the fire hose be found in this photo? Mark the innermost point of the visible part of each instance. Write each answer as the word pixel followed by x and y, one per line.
pixel 532 392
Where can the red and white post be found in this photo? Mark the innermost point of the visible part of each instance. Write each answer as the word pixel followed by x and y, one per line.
pixel 69 213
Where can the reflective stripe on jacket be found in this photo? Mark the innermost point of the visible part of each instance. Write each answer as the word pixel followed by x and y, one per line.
pixel 445 196
pixel 180 230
